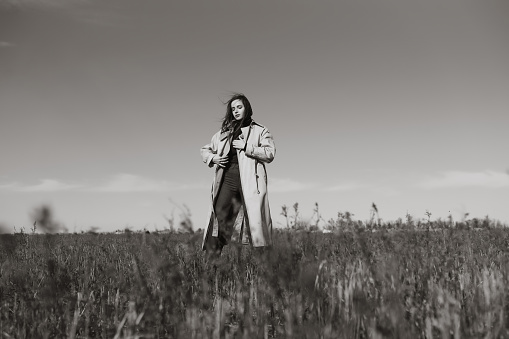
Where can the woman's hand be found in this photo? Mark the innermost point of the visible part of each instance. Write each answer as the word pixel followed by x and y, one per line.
pixel 220 161
pixel 239 144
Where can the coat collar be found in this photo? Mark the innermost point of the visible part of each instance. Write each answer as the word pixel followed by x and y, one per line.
pixel 244 130
pixel 223 135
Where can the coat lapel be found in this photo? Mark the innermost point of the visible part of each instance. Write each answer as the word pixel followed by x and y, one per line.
pixel 246 131
pixel 224 135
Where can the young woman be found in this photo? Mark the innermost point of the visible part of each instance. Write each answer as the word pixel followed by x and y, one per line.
pixel 239 206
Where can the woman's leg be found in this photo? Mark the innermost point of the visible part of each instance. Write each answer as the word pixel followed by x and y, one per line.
pixel 228 204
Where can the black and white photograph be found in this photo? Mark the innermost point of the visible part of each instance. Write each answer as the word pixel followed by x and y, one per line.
pixel 254 169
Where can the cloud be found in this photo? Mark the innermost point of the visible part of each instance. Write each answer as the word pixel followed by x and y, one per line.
pixel 39 3
pixel 122 182
pixel 349 186
pixel 371 188
pixel 287 185
pixel 46 185
pixel 4 44
pixel 100 18
pixel 92 15
pixel 125 182
pixel 485 179
pixel 49 185
pixel 9 187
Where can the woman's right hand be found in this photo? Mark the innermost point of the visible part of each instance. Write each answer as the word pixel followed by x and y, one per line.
pixel 220 161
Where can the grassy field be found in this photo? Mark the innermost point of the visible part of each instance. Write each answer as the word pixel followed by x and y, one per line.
pixel 360 281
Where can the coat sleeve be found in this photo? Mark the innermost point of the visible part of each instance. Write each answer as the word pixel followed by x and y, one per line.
pixel 266 149
pixel 209 150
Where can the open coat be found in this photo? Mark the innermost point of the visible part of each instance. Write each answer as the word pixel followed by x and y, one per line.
pixel 253 222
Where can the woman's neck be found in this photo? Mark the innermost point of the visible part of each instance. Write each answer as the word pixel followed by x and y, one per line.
pixel 243 123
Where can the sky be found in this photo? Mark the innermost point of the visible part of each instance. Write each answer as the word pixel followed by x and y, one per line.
pixel 104 106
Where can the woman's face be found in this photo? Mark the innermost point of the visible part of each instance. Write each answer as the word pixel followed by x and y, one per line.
pixel 238 109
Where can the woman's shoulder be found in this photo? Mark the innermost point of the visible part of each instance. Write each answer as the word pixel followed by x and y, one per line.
pixel 261 129
pixel 254 123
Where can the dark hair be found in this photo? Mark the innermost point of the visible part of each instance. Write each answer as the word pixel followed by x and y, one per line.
pixel 228 118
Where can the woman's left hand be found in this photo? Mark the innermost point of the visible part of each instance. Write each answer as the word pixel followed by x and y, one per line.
pixel 239 144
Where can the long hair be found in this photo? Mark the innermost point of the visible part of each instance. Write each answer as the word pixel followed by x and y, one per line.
pixel 228 120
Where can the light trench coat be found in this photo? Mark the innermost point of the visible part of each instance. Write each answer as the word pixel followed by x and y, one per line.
pixel 253 224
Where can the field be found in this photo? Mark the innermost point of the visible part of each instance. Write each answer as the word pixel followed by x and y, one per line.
pixel 359 281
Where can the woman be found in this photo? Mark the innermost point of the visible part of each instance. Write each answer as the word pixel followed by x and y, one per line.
pixel 239 203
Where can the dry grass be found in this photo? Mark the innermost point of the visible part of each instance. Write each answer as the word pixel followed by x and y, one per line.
pixel 451 283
